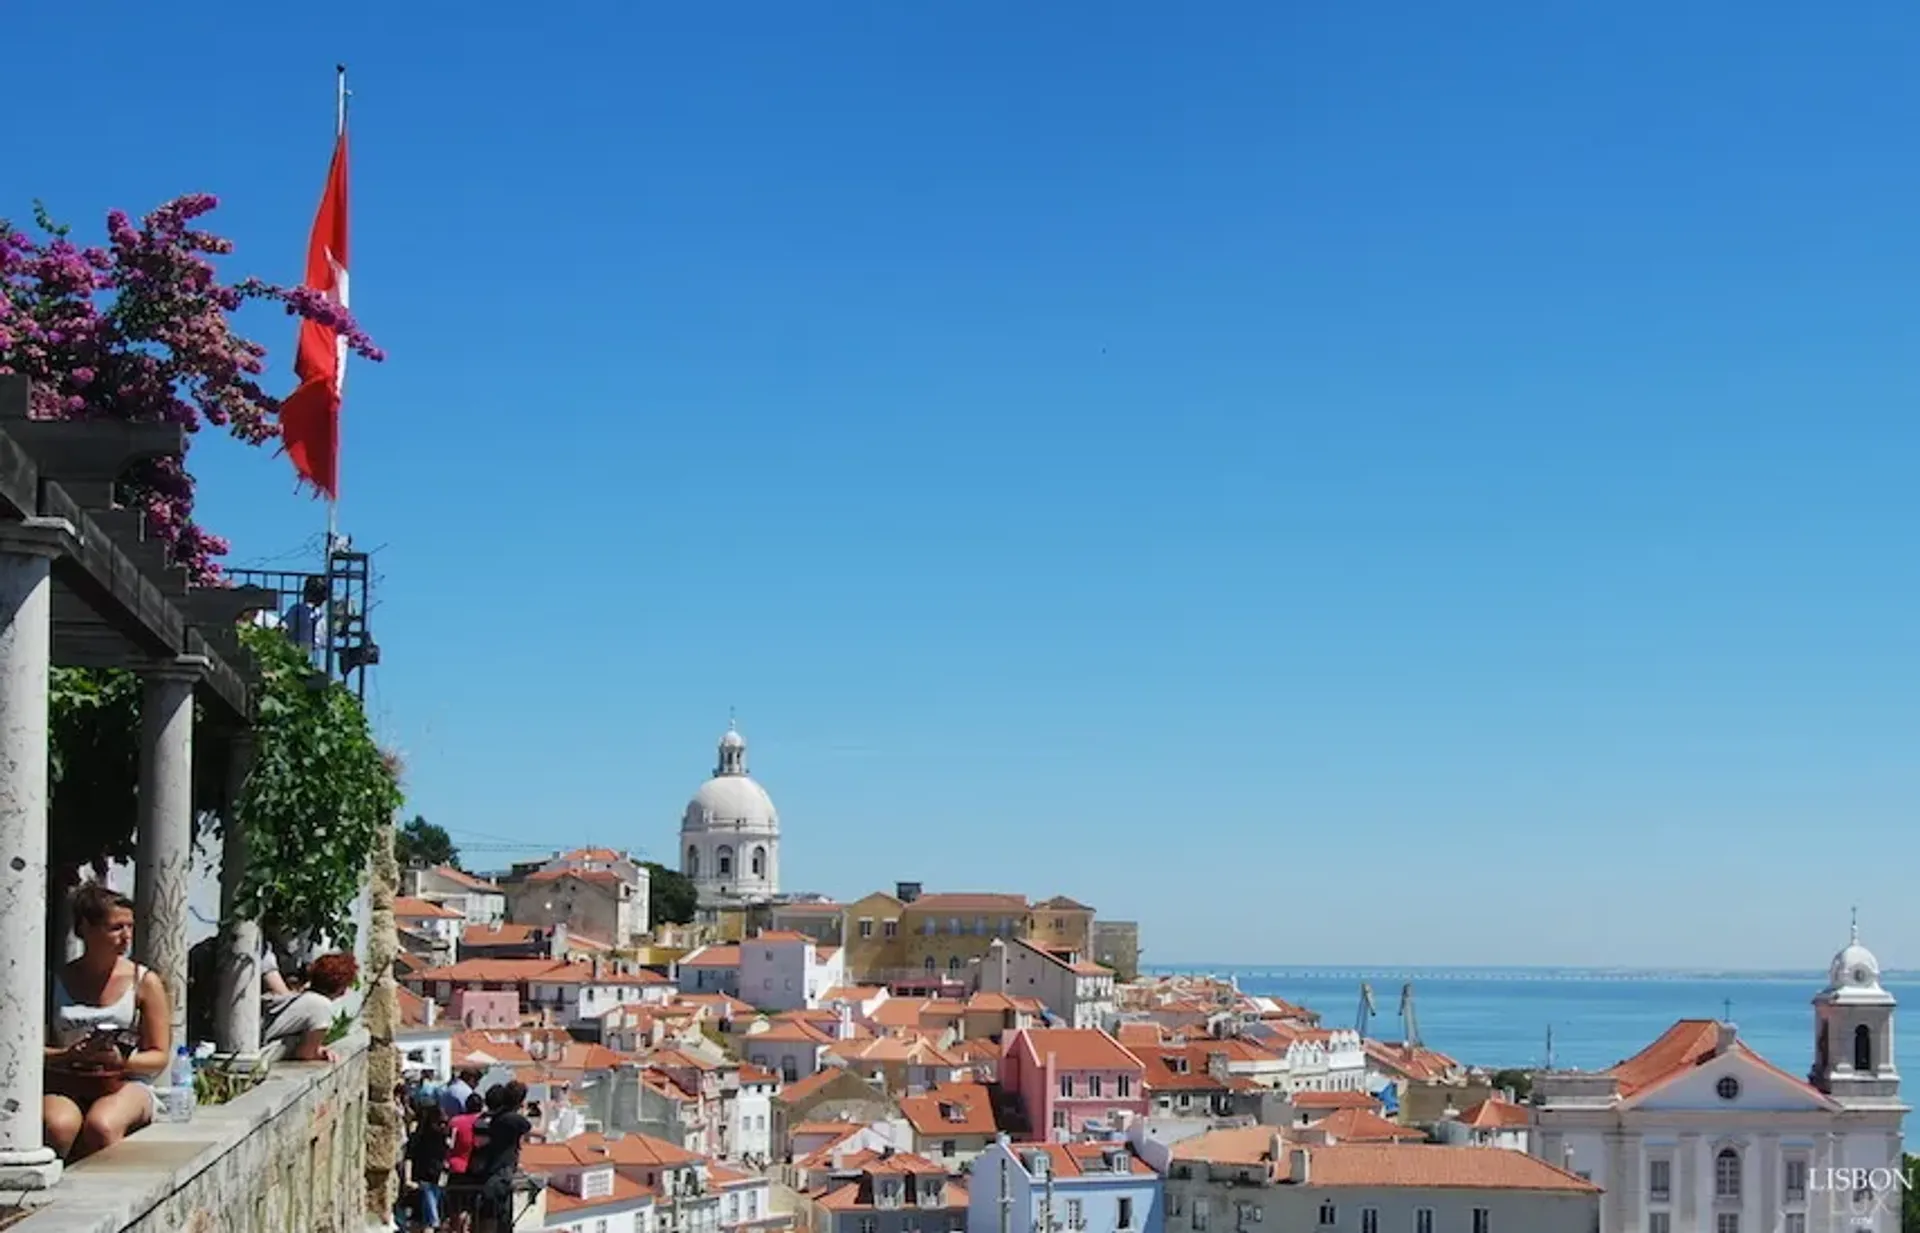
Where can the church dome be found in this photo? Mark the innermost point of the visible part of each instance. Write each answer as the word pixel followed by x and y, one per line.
pixel 1854 975
pixel 731 800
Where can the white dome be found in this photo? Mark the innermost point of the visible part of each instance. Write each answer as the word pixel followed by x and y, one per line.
pixel 729 802
pixel 1854 968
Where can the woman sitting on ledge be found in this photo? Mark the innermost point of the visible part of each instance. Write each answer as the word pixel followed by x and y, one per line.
pixel 298 1023
pixel 110 1032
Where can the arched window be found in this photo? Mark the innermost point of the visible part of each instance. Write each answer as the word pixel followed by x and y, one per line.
pixel 789 1069
pixel 930 964
pixel 1726 1174
pixel 1863 1049
pixel 693 861
pixel 953 963
pixel 723 861
pixel 759 862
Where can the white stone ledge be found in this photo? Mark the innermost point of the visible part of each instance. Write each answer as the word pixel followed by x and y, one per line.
pixel 128 1185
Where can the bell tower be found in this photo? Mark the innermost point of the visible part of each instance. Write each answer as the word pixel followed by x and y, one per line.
pixel 1853 1030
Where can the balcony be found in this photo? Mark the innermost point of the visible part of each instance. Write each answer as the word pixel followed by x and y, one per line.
pixel 288 1155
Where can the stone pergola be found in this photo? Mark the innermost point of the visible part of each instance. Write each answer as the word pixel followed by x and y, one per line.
pixel 81 586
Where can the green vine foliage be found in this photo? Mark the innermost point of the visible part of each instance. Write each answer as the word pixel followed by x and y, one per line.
pixel 93 764
pixel 320 795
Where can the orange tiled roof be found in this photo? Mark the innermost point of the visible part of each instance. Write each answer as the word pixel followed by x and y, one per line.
pixel 1494 1113
pixel 1427 1166
pixel 727 956
pixel 463 878
pixel 951 1109
pixel 1685 1045
pixel 802 1089
pixel 1060 903
pixel 497 935
pixel 592 854
pixel 408 908
pixel 631 1149
pixel 595 877
pixel 1365 1126
pixel 1235 1145
pixel 1076 1048
pixel 781 935
pixel 969 901
pixel 625 1190
pixel 853 993
pixel 1075 1159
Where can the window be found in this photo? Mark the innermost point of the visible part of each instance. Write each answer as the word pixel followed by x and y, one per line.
pixel 949 1147
pixel 1728 1087
pixel 693 861
pixel 1659 1222
pixel 733 1206
pixel 1328 1216
pixel 789 1070
pixel 1482 1220
pixel 1726 1176
pixel 600 1225
pixel 1659 1180
pixel 1727 1222
pixel 1059 1119
pixel 891 928
pixel 868 1225
pixel 1200 1213
pixel 1796 1181
pixel 953 963
pixel 1423 1220
pixel 759 862
pixel 1076 1215
pixel 1066 1085
pixel 953 925
pixel 1122 1086
pixel 1093 1085
pixel 723 861
pixel 1369 1220
pixel 1863 1049
pixel 1796 1222
pixel 1126 1212
pixel 929 965
pixel 866 926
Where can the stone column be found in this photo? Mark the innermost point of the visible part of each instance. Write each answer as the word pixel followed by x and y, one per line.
pixel 237 1011
pixel 26 646
pixel 163 858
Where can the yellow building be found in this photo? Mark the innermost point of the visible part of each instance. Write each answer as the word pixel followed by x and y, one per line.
pixel 1062 924
pixel 909 935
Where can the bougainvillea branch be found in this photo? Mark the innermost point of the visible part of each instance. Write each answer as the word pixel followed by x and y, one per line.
pixel 141 330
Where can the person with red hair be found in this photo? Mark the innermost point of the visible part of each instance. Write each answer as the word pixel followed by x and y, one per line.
pixel 299 1022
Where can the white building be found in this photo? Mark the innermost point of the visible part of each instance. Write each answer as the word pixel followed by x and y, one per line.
pixel 1074 988
pixel 477 900
pixel 782 970
pixel 1699 1132
pixel 1317 1059
pixel 730 834
pixel 710 969
pixel 750 1115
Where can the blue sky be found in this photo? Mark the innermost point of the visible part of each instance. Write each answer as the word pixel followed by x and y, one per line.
pixel 1339 483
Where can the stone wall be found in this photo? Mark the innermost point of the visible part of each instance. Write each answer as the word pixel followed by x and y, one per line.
pixel 288 1156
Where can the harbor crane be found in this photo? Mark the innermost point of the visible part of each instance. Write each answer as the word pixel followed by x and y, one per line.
pixel 1363 1019
pixel 1409 1020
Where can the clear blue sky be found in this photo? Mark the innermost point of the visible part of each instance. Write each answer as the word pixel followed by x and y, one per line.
pixel 1338 482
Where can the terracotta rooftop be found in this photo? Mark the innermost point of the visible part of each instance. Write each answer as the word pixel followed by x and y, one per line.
pixel 1494 1113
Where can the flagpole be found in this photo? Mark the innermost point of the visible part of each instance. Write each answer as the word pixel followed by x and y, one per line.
pixel 333 501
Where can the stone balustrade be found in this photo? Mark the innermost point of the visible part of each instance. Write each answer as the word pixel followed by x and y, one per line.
pixel 289 1155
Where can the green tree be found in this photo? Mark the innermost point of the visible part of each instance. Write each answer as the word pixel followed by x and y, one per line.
pixel 1520 1081
pixel 420 842
pixel 671 899
pixel 1909 1201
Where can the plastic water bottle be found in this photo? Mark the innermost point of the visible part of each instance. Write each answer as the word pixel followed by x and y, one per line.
pixel 181 1075
pixel 176 1096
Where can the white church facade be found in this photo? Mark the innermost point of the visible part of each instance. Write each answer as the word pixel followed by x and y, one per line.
pixel 1697 1133
pixel 730 834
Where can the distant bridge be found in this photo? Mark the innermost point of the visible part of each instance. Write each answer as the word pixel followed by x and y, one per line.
pixel 1622 975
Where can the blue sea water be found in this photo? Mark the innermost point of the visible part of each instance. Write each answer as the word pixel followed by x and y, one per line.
pixel 1498 1017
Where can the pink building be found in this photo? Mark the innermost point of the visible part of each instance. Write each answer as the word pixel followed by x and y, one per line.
pixel 495 1008
pixel 1068 1077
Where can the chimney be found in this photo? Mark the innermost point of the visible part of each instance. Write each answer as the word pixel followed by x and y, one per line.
pixel 845 1026
pixel 1725 1034
pixel 1277 1147
pixel 432 1011
pixel 1299 1166
pixel 596 969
